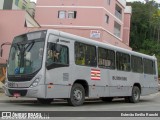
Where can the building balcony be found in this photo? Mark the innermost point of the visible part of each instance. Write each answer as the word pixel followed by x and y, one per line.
pixel 122 2
pixel 118 15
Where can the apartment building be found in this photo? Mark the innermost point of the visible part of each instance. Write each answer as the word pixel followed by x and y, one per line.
pixel 101 20
pixel 16 18
pixel 18 5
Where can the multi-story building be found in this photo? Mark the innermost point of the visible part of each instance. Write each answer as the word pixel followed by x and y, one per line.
pixel 16 18
pixel 102 20
pixel 31 8
pixel 18 4
pixel 8 5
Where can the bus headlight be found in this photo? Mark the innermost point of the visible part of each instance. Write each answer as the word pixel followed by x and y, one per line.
pixel 35 83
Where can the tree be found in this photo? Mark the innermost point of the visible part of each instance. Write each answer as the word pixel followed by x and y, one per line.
pixel 145 28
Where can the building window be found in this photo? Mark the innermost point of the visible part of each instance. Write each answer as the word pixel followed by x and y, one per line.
pixel 61 14
pixel 108 2
pixel 118 12
pixel 117 29
pixel 16 2
pixel 72 14
pixel 7 5
pixel 107 18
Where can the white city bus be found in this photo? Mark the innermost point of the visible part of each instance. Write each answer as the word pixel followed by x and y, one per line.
pixel 52 64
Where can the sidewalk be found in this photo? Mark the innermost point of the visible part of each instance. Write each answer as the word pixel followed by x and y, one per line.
pixel 1 90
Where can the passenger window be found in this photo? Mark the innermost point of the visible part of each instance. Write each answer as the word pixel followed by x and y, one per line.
pixel 149 66
pixel 122 61
pixel 136 64
pixel 106 58
pixel 57 54
pixel 85 54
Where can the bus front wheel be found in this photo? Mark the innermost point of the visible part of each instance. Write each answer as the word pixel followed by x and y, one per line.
pixel 44 101
pixel 77 95
pixel 135 95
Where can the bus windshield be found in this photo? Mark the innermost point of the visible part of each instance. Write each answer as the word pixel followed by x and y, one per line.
pixel 26 53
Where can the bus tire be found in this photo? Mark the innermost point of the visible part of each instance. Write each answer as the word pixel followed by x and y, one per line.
pixel 107 99
pixel 44 101
pixel 77 95
pixel 135 95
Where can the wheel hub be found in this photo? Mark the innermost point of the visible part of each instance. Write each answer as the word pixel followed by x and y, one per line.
pixel 136 95
pixel 77 95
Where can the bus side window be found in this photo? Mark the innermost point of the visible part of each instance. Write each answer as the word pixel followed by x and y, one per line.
pixel 79 54
pixel 136 64
pixel 85 54
pixel 106 58
pixel 123 61
pixel 148 66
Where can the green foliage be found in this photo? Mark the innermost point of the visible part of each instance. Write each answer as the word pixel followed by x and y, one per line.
pixel 145 28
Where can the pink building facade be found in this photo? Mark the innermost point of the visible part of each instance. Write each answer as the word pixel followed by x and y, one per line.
pixel 13 23
pixel 102 20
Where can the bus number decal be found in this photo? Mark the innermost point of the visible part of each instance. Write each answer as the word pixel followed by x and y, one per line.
pixel 119 78
pixel 95 74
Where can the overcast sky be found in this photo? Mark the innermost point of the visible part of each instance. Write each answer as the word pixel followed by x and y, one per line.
pixel 126 0
pixel 158 1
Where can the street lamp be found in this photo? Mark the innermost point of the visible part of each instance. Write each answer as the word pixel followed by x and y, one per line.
pixel 1 49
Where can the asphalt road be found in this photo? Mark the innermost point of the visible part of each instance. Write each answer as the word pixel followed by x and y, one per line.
pixel 147 103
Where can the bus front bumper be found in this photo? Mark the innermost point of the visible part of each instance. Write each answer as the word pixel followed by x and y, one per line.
pixel 35 92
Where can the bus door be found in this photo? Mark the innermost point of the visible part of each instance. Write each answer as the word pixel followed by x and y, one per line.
pixel 57 67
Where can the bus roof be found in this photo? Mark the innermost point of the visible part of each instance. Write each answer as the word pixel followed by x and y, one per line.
pixel 96 43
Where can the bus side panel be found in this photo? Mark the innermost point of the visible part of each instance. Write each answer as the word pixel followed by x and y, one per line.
pixel 101 88
pixel 98 91
pixel 57 82
pixel 58 91
pixel 150 84
pixel 120 83
pixel 37 92
pixel 97 87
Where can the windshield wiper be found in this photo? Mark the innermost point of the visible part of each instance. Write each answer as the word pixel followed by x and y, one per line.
pixel 31 45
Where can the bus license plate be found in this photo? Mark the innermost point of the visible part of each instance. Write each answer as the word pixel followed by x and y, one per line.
pixel 16 95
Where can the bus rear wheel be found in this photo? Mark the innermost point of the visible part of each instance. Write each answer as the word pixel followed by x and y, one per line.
pixel 77 95
pixel 135 95
pixel 44 101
